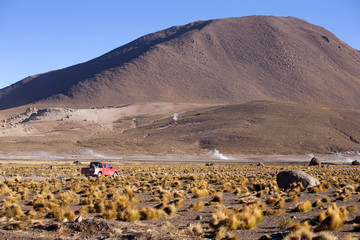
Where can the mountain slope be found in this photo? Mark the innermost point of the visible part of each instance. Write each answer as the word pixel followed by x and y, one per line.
pixel 218 61
pixel 258 127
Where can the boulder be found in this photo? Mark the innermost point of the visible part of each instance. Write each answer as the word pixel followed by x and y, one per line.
pixel 79 219
pixel 285 178
pixel 355 162
pixel 260 164
pixel 315 162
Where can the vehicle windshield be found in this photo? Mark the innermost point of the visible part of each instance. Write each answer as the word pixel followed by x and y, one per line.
pixel 95 165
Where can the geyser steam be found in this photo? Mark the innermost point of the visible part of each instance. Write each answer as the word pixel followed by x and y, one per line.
pixel 176 116
pixel 216 154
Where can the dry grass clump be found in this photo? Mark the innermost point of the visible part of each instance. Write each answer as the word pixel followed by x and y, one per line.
pixel 194 230
pixel 170 210
pixel 316 189
pixel 303 206
pixel 217 199
pixel 317 203
pixel 63 214
pixel 4 190
pixel 345 193
pixel 273 212
pixel 197 206
pixel 294 198
pixel 331 219
pixel 223 234
pixel 307 234
pixel 128 215
pixel 246 217
pixel 178 202
pixel 11 210
pixel 296 188
pixel 285 223
pixel 300 231
pixel 352 208
pixel 149 213
pixel 200 193
pixel 273 199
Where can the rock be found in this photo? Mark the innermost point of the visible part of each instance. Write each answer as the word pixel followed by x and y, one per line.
pixel 198 217
pixel 260 164
pixel 315 162
pixel 76 162
pixel 209 164
pixel 79 219
pixel 355 162
pixel 357 219
pixel 285 178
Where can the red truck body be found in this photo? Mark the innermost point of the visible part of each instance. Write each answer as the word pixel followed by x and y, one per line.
pixel 99 168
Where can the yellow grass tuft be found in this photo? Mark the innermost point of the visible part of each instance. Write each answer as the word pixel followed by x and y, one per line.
pixel 303 206
pixel 197 206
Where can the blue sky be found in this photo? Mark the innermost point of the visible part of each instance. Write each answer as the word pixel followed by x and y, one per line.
pixel 37 36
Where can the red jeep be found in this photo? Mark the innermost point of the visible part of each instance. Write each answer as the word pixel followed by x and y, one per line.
pixel 98 169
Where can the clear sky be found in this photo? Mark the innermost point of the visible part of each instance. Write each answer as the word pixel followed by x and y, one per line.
pixel 37 36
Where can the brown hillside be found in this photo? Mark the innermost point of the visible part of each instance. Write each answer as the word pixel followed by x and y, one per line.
pixel 219 61
pixel 259 127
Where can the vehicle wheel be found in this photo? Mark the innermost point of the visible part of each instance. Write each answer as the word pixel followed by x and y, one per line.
pixel 115 174
pixel 99 174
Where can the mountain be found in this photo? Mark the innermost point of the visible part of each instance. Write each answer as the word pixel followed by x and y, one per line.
pixel 257 127
pixel 231 60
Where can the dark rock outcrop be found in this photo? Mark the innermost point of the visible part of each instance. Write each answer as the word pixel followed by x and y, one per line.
pixel 355 162
pixel 315 162
pixel 285 178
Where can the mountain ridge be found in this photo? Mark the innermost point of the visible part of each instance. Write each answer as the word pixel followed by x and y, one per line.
pixel 219 61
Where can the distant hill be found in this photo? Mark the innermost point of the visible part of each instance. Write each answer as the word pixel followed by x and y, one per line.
pixel 258 127
pixel 229 60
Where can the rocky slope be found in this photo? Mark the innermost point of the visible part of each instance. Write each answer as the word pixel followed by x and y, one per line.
pixel 217 61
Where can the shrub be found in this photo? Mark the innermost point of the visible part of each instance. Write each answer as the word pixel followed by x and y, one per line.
pixel 217 199
pixel 197 206
pixel 200 193
pixel 247 218
pixel 128 215
pixel 149 213
pixel 303 206
pixel 352 208
pixel 170 210
pixel 285 223
pixel 317 203
pixel 332 219
pixel 194 230
pixel 271 212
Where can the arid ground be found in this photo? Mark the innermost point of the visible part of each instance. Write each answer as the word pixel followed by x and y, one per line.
pixel 170 197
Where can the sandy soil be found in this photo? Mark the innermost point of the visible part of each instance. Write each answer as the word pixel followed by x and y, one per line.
pixel 207 157
pixel 33 121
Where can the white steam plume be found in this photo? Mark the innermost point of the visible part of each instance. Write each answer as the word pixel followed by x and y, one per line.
pixel 176 116
pixel 216 154
pixel 311 155
pixel 91 153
